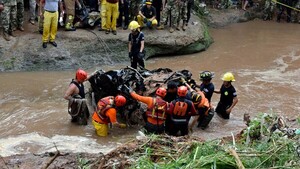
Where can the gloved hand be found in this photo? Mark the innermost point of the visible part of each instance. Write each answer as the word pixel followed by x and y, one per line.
pixel 182 80
pixel 141 56
pixel 122 125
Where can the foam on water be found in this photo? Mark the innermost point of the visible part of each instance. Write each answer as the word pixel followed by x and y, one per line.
pixel 285 71
pixel 275 86
pixel 36 143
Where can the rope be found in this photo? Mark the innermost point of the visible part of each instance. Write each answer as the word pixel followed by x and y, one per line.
pixel 286 5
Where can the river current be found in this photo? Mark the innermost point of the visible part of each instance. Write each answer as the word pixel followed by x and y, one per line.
pixel 264 57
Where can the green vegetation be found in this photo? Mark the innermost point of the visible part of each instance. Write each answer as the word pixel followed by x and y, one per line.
pixel 9 63
pixel 266 143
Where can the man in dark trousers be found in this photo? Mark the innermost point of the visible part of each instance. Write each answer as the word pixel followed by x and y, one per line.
pixel 228 97
pixel 75 94
pixel 181 110
pixel 124 11
pixel 136 45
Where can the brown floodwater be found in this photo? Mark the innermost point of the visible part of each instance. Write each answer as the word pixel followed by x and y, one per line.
pixel 264 57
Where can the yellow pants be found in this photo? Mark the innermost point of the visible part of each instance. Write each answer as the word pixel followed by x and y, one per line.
pixel 101 129
pixel 141 21
pixel 103 14
pixel 112 14
pixel 50 26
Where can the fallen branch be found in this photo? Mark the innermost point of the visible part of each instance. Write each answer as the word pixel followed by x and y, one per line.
pixel 270 156
pixel 53 158
pixel 237 159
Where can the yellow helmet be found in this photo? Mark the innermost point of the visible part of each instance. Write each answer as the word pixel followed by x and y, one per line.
pixel 133 25
pixel 228 77
pixel 148 2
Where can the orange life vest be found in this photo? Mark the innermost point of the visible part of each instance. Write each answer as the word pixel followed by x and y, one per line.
pixel 158 109
pixel 102 106
pixel 204 103
pixel 180 108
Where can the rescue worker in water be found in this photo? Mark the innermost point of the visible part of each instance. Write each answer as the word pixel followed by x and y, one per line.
pixel 204 111
pixel 106 113
pixel 156 110
pixel 181 110
pixel 228 98
pixel 75 94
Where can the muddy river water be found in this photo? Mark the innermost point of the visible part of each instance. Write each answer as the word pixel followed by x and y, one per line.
pixel 264 56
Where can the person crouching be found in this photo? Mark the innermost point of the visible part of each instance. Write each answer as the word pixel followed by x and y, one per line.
pixel 106 113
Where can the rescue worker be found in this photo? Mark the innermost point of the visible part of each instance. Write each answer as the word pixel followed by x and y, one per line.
pixel 103 15
pixel 147 15
pixel 268 10
pixel 182 14
pixel 75 94
pixel 124 12
pixel 112 13
pixel 207 87
pixel 20 15
pixel 181 110
pixel 171 91
pixel 50 20
pixel 156 110
pixel 106 113
pixel 228 98
pixel 205 112
pixel 136 45
pixel 8 17
pixel 170 13
pixel 170 96
pixel 70 11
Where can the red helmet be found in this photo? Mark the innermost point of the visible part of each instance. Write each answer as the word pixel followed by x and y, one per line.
pixel 182 91
pixel 81 75
pixel 161 92
pixel 120 100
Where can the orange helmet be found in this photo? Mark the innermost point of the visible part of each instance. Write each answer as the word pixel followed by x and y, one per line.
pixel 81 75
pixel 161 92
pixel 182 91
pixel 120 100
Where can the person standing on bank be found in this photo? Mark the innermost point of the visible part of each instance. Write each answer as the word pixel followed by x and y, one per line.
pixel 20 15
pixel 228 98
pixel 50 20
pixel 8 17
pixel 136 45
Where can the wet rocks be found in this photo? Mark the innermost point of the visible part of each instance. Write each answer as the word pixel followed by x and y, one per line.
pixel 90 48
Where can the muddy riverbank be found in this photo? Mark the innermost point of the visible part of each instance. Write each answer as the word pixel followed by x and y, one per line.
pixel 89 48
pixel 267 74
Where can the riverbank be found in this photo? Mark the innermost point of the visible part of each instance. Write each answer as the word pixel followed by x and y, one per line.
pixel 87 48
